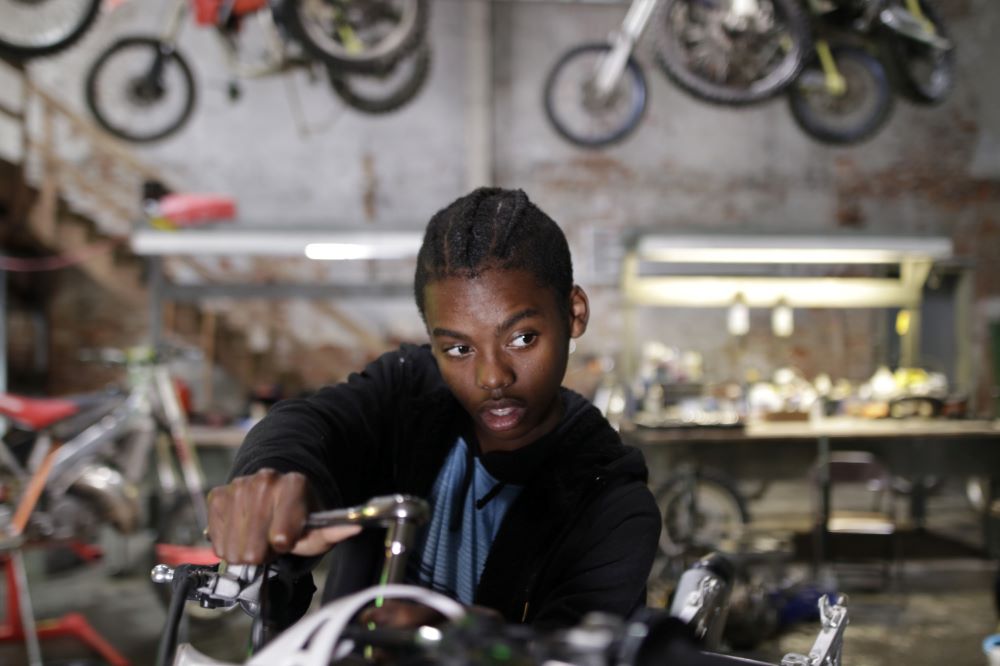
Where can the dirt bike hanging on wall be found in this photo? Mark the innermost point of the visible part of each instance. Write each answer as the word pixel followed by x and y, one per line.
pixel 141 88
pixel 865 51
pixel 732 52
pixel 739 52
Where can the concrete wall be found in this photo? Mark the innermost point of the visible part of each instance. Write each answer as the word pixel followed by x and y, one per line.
pixel 690 166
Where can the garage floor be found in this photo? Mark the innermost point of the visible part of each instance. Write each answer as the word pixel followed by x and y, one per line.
pixel 937 612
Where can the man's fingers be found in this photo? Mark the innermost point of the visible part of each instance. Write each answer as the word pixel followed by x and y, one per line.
pixel 288 512
pixel 317 542
pixel 253 517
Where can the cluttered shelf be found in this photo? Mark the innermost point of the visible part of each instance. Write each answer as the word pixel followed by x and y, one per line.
pixel 835 427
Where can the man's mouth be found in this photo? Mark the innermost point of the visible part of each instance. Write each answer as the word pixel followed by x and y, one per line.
pixel 500 415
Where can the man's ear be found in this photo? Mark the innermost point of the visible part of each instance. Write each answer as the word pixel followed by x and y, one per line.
pixel 579 311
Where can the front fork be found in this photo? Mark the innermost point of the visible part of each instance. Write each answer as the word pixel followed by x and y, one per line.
pixel 187 459
pixel 833 81
pixel 609 69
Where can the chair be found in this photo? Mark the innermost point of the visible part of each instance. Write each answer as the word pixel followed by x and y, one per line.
pixel 855 517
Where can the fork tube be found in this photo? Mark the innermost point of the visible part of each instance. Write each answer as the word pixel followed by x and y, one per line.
pixel 833 79
pixel 186 456
pixel 174 21
pixel 609 70
pixel 913 6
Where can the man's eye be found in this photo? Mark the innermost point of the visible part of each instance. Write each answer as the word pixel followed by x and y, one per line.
pixel 523 340
pixel 457 350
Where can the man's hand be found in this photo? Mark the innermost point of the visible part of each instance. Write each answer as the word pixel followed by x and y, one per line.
pixel 254 518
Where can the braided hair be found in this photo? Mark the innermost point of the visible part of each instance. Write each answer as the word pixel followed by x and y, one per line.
pixel 494 228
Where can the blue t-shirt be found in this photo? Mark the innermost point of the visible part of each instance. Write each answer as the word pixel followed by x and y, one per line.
pixel 451 561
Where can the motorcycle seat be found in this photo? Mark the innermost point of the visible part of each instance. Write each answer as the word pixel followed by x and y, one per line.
pixel 36 413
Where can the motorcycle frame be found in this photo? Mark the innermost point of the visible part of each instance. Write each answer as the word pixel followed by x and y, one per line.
pixel 701 602
pixel 276 57
pixel 150 409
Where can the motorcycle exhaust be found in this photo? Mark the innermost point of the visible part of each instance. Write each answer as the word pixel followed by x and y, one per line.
pixel 116 498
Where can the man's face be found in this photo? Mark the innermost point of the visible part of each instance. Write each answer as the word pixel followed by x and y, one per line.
pixel 501 343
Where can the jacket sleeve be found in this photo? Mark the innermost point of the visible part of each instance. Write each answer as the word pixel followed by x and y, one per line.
pixel 339 437
pixel 604 564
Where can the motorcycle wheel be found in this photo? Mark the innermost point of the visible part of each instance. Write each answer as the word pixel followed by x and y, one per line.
pixel 849 118
pixel 42 27
pixel 699 511
pixel 386 92
pixel 140 90
pixel 573 108
pixel 731 64
pixel 926 75
pixel 356 35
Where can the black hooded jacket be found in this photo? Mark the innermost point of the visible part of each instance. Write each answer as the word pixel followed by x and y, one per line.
pixel 580 537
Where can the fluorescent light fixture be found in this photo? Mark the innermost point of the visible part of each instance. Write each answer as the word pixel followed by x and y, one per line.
pixel 337 251
pixel 782 319
pixel 790 249
pixel 764 292
pixel 279 243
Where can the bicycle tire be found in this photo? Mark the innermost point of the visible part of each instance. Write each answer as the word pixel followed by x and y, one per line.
pixel 14 40
pixel 388 98
pixel 106 112
pixel 321 41
pixel 727 523
pixel 925 75
pixel 635 99
pixel 831 119
pixel 676 58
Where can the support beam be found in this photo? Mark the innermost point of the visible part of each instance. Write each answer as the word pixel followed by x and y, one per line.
pixel 479 93
pixel 286 291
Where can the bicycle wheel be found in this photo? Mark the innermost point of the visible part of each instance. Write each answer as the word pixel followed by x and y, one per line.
pixel 382 93
pixel 719 56
pixel 40 27
pixel 700 510
pixel 926 75
pixel 356 35
pixel 578 113
pixel 140 89
pixel 852 116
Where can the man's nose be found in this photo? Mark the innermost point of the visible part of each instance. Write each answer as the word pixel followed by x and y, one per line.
pixel 493 372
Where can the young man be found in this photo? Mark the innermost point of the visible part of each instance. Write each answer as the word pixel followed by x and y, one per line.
pixel 538 510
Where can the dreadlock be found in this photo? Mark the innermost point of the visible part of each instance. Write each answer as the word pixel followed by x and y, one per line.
pixel 494 228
